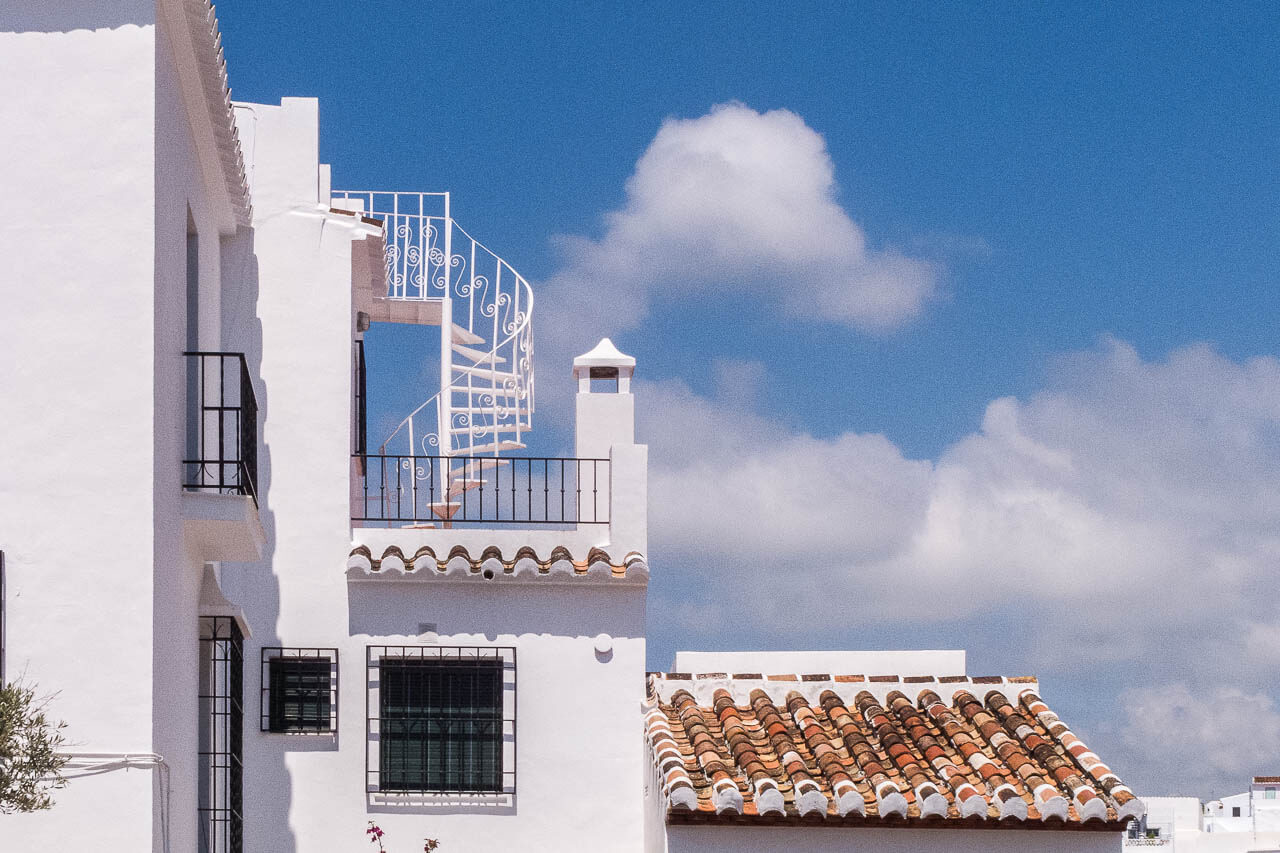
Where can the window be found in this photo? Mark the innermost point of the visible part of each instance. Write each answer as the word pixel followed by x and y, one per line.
pixel 299 690
pixel 1267 793
pixel 360 411
pixel 1235 811
pixel 219 795
pixel 445 719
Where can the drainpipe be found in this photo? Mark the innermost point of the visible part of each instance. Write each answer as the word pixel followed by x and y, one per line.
pixel 82 764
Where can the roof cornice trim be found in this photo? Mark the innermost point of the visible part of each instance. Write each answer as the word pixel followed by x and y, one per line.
pixel 192 27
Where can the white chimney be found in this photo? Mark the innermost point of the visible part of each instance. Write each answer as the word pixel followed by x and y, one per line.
pixel 606 410
pixel 606 429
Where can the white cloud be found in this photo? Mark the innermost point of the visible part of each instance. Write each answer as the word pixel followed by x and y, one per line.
pixel 1223 735
pixel 753 490
pixel 1123 524
pixel 1153 486
pixel 736 202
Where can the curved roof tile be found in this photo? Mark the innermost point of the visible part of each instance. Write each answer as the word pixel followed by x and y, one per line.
pixel 849 751
pixel 492 564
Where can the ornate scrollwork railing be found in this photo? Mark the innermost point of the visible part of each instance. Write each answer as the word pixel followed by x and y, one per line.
pixel 486 401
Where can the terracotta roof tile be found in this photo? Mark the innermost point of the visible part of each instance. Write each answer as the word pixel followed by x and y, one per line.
pixel 805 749
pixel 491 564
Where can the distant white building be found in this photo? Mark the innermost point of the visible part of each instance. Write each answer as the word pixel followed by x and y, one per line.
pixel 1242 823
pixel 266 629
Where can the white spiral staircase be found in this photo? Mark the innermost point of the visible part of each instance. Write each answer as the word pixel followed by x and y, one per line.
pixel 436 273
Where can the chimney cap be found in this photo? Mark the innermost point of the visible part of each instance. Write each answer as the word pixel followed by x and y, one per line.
pixel 603 355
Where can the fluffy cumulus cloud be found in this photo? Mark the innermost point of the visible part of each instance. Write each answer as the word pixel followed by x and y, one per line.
pixel 735 200
pixel 1123 524
pixel 1231 733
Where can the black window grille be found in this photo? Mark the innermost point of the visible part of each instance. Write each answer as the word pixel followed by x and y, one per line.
pixel 299 690
pixel 221 751
pixel 222 420
pixel 445 719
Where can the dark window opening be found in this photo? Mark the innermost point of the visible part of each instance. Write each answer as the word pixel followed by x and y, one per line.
pixel 445 720
pixel 193 337
pixel 1235 811
pixel 360 410
pixel 299 690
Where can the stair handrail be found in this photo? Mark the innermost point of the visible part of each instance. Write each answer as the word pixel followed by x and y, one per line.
pixel 418 268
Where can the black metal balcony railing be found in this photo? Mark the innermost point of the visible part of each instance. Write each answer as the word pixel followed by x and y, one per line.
pixel 480 489
pixel 222 425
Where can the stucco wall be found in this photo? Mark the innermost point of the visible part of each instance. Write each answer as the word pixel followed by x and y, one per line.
pixel 76 490
pixel 178 568
pixel 296 333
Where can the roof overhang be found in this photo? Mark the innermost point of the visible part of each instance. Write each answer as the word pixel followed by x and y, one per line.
pixel 192 29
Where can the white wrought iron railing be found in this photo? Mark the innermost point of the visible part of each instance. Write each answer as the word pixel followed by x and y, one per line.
pixel 486 401
pixel 487 395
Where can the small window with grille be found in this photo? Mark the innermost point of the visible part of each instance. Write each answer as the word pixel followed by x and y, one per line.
pixel 299 690
pixel 444 721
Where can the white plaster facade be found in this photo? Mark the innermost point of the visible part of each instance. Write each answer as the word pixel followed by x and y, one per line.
pixel 1248 822
pixel 124 176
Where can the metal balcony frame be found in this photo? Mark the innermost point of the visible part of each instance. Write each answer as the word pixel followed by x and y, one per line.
pixel 534 490
pixel 223 417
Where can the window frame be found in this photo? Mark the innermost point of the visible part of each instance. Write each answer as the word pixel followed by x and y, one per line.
pixel 293 654
pixel 504 657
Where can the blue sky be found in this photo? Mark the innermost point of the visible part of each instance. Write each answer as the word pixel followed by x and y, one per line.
pixel 1058 450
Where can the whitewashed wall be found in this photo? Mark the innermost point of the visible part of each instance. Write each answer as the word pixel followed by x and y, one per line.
pixel 176 562
pixel 76 491
pixel 101 587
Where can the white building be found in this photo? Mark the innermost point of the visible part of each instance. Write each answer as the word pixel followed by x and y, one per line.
pixel 264 632
pixel 1248 822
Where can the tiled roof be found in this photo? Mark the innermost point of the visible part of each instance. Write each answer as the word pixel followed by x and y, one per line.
pixel 492 565
pixel 856 749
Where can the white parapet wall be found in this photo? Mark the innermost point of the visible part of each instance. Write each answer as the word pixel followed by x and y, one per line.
pixel 937 663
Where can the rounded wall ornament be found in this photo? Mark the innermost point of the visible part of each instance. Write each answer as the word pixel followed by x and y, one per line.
pixel 604 644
